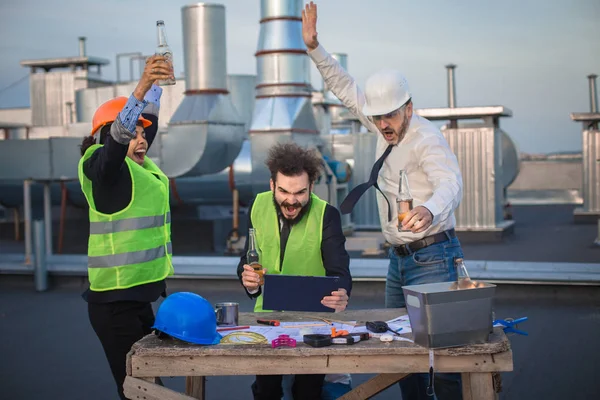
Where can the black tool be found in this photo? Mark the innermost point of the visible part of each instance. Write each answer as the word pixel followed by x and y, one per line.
pixel 315 340
pixel 380 327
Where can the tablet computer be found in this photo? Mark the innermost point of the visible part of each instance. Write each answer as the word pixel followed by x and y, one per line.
pixel 298 293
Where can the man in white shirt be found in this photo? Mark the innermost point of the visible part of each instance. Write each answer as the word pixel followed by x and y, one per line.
pixel 425 250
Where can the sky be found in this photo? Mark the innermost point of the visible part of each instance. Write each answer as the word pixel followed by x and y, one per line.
pixel 531 56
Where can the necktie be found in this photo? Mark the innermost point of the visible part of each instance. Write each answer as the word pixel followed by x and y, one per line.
pixel 284 234
pixel 350 200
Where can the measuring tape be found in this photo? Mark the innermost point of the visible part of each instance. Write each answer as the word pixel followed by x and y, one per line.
pixel 244 338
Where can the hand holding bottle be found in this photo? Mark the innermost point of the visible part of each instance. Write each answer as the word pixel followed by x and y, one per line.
pixel 156 69
pixel 417 220
pixel 251 278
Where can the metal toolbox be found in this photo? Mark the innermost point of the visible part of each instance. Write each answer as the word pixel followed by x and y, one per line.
pixel 441 316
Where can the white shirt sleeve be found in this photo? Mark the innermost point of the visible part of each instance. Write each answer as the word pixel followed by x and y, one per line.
pixel 341 84
pixel 441 167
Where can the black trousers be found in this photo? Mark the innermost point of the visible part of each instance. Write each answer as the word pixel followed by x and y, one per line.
pixel 306 387
pixel 119 325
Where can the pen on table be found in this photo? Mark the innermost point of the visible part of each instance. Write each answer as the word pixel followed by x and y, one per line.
pixel 270 322
pixel 232 328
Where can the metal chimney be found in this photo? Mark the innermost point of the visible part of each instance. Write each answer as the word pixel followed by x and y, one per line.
pixel 451 92
pixel 205 133
pixel 283 109
pixel 451 86
pixel 593 93
pixel 82 40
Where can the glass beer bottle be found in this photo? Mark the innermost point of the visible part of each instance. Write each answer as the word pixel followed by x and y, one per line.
pixel 404 200
pixel 463 281
pixel 252 256
pixel 163 49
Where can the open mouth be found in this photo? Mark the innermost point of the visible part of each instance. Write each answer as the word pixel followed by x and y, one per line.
pixel 139 155
pixel 388 135
pixel 291 210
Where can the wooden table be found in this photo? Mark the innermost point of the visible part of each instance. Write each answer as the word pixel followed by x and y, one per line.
pixel 151 357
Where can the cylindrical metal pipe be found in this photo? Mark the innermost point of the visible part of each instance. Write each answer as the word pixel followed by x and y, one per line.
pixel 204 47
pixel 40 271
pixel 48 217
pixel 27 219
pixel 451 86
pixel 593 93
pixel 597 241
pixel 279 8
pixel 82 46
pixel 281 60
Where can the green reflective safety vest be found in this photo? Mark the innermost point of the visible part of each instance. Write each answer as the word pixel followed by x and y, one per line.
pixel 303 249
pixel 133 246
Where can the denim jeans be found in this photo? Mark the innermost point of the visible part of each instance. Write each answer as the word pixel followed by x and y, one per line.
pixel 431 264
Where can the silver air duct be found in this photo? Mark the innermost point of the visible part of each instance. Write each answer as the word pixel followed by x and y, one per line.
pixel 283 109
pixel 205 134
pixel 337 111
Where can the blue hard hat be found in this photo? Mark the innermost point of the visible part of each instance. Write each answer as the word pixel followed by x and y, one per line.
pixel 188 317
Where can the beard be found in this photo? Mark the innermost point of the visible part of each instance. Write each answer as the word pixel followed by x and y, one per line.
pixel 303 209
pixel 402 131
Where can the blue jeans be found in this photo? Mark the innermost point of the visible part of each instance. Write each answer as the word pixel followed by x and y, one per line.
pixel 431 264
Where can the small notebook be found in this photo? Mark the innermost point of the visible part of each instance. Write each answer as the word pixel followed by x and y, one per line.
pixel 298 293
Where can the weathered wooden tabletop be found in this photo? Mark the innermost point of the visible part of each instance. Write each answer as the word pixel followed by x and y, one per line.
pixel 151 345
pixel 153 357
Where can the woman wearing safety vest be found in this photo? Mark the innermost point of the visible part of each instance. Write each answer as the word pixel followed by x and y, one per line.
pixel 129 248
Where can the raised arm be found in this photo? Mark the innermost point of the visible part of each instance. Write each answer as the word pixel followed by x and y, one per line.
pixel 338 80
pixel 105 164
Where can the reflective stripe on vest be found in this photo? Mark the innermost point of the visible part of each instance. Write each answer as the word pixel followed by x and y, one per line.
pixel 130 247
pixel 135 257
pixel 130 224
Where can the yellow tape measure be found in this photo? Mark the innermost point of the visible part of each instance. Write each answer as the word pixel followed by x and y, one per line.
pixel 244 338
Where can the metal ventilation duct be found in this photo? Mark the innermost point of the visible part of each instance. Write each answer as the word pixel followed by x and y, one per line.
pixel 241 89
pixel 205 134
pixel 283 109
pixel 339 124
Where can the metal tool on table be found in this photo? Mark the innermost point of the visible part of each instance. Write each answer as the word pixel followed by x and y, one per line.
pixel 510 325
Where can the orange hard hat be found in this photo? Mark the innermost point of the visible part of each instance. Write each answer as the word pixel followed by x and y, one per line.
pixel 108 112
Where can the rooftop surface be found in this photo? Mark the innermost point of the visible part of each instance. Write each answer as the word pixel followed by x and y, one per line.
pixel 542 233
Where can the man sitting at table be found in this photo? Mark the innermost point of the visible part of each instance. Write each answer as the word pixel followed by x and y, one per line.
pixel 297 233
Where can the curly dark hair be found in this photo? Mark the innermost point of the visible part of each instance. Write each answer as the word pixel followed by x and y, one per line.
pixel 292 160
pixel 88 141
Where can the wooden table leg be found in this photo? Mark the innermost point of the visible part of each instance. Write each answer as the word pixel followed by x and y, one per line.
pixel 194 386
pixel 478 386
pixel 373 386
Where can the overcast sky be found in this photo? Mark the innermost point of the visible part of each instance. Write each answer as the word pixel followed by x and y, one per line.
pixel 530 56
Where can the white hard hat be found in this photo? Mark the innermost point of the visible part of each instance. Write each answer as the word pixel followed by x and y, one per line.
pixel 385 92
